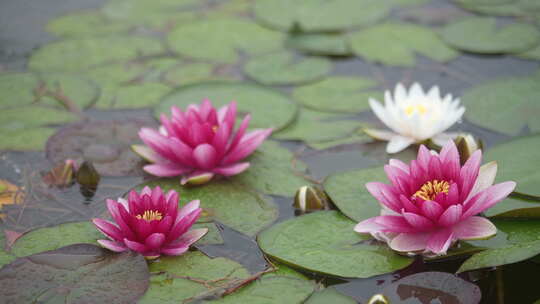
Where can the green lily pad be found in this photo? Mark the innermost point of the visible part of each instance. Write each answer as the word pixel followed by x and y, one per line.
pixel 32 139
pixel 396 44
pixel 25 89
pixel 432 287
pixel 481 35
pixel 212 237
pixel 185 276
pixel 320 44
pixel 228 202
pixel 155 14
pixel 501 7
pixel 355 138
pixel 516 240
pixel 512 207
pixel 116 74
pixel 533 53
pixel 52 238
pixel 517 96
pixel 271 290
pixel 325 242
pixel 220 40
pixel 5 257
pixel 79 54
pixel 187 74
pixel 283 69
pixel 348 192
pixel 132 96
pixel 329 295
pixel 341 94
pixel 268 108
pixel 313 126
pixel 85 23
pixel 80 273
pixel 518 161
pixel 271 171
pixel 319 16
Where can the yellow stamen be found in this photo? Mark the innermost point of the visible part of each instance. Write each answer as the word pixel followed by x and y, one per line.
pixel 421 109
pixel 150 215
pixel 429 190
pixel 215 128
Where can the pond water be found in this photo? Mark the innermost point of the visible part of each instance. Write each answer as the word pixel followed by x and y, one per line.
pixel 114 84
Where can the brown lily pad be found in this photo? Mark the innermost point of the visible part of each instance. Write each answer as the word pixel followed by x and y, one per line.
pixel 105 143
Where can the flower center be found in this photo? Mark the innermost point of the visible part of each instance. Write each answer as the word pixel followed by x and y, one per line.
pixel 421 109
pixel 150 215
pixel 215 128
pixel 429 190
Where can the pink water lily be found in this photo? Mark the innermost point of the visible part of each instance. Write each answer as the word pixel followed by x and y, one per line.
pixel 150 223
pixel 199 143
pixel 434 201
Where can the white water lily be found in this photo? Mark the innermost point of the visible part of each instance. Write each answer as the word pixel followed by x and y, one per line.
pixel 415 116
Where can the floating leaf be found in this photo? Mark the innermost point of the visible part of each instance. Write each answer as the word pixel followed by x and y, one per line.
pixel 533 53
pixel 187 74
pixel 348 192
pixel 320 44
pixel 220 40
pixel 319 16
pixel 62 91
pixel 517 96
pixel 512 207
pixel 283 69
pixel 75 274
pixel 107 144
pixel 501 7
pixel 190 275
pixel 212 237
pixel 482 35
pixel 271 171
pixel 5 257
pixel 333 250
pixel 355 138
pixel 516 240
pixel 85 23
pixel 518 161
pixel 268 108
pixel 132 96
pixel 271 290
pixel 226 201
pixel 158 13
pixel 341 94
pixel 396 44
pixel 329 295
pixel 78 54
pixel 430 287
pixel 312 126
pixel 52 238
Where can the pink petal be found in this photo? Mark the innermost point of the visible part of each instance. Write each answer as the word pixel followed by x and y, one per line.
pixel 184 225
pixel 147 153
pixel 174 250
pixel 489 197
pixel 440 241
pixel 469 173
pixel 417 221
pixel 399 164
pixel 394 223
pixel 192 236
pixel 408 205
pixel 231 170
pixel 112 245
pixel 239 133
pixel 247 145
pixel 136 246
pixel 182 153
pixel 118 216
pixel 154 241
pixel 486 177
pixel 155 141
pixel 188 208
pixel 197 178
pixel 221 138
pixel 205 156
pixel 382 192
pixel 424 157
pixel 409 242
pixel 474 228
pixel 165 170
pixel 451 216
pixel 368 226
pixel 431 209
pixel 109 229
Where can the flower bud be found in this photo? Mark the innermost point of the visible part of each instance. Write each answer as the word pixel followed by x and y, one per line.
pixel 466 145
pixel 308 198
pixel 88 179
pixel 378 299
pixel 61 175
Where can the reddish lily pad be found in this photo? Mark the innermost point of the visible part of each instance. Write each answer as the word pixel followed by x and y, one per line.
pixel 79 273
pixel 105 143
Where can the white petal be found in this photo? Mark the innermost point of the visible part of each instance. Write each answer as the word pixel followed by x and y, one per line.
pixel 400 93
pixel 442 138
pixel 379 134
pixel 486 177
pixel 398 143
pixel 416 91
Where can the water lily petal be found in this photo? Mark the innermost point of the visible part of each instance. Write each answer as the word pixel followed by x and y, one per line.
pixel 205 156
pixel 398 143
pixel 231 170
pixel 489 197
pixel 109 229
pixel 197 178
pixel 379 134
pixel 474 228
pixel 451 215
pixel 136 246
pixel 486 177
pixel 154 241
pixel 166 170
pixel 409 242
pixel 112 245
pixel 440 241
